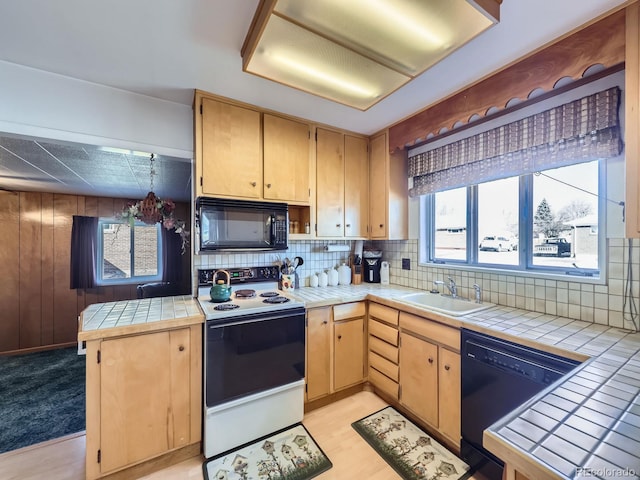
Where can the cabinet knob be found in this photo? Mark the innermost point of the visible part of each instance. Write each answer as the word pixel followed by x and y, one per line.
pixel 338 225
pixel 447 367
pixel 382 225
pixel 339 337
pixel 324 322
pixel 253 184
pixel 181 348
pixel 430 360
pixel 268 185
pixel 348 225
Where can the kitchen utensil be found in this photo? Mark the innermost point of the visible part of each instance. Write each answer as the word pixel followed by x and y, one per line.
pixel 219 291
pixel 297 261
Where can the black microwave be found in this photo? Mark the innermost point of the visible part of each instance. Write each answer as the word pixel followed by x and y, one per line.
pixel 225 224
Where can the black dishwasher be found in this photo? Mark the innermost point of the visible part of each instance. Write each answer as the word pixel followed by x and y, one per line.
pixel 497 377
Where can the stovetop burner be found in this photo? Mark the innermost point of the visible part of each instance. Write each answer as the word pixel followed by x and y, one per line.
pixel 277 299
pixel 245 293
pixel 226 306
pixel 269 294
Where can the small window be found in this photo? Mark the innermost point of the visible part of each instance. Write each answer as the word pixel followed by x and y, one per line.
pixel 128 254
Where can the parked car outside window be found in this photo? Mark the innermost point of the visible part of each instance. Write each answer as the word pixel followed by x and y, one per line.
pixel 498 243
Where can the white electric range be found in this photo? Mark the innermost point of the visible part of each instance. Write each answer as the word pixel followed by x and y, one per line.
pixel 254 358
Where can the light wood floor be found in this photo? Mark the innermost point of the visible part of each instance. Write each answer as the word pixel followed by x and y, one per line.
pixel 330 426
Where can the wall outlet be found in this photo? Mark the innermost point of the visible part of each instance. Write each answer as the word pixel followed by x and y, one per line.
pixel 406 264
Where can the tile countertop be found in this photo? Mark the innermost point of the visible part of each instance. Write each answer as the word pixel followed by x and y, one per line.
pixel 110 319
pixel 585 425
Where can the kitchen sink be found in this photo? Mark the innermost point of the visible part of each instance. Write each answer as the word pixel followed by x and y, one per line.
pixel 445 303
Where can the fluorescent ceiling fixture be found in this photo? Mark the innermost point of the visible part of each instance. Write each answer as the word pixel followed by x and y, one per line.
pixel 353 46
pixel 325 77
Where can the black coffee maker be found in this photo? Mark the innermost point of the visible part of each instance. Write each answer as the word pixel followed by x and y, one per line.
pixel 371 261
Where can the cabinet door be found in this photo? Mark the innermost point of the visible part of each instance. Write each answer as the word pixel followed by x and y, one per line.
pixel 318 352
pixel 356 186
pixel 144 396
pixel 286 160
pixel 449 394
pixel 378 187
pixel 330 183
pixel 348 365
pixel 419 377
pixel 231 150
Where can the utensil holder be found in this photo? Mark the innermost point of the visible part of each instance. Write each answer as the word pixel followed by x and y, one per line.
pixel 356 274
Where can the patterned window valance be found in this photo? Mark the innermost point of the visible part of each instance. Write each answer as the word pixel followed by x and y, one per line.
pixel 579 131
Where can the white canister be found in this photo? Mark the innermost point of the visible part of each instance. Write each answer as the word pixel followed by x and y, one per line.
pixel 384 273
pixel 333 277
pixel 323 280
pixel 344 274
pixel 313 280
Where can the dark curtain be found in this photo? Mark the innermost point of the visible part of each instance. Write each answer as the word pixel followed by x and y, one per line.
pixel 84 248
pixel 578 131
pixel 172 259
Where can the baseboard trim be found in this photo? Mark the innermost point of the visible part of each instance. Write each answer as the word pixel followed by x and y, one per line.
pixel 334 397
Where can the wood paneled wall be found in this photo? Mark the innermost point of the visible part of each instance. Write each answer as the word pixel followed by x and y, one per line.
pixel 38 309
pixel 601 43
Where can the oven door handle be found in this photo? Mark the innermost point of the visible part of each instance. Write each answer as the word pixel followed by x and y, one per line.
pixel 253 318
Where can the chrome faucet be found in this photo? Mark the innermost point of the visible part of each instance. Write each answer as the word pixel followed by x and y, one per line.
pixel 437 284
pixel 478 290
pixel 453 288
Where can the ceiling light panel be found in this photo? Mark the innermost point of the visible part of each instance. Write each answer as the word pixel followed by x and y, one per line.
pixel 357 52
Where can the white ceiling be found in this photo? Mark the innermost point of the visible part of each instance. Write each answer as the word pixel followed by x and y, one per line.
pixel 165 49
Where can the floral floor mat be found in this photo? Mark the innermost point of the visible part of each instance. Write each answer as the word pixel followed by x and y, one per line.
pixel 412 453
pixel 290 454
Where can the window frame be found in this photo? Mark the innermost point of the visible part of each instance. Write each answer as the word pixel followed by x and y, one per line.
pixel 132 279
pixel 525 231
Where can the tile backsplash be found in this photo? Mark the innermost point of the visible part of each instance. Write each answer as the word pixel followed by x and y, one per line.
pixel 597 303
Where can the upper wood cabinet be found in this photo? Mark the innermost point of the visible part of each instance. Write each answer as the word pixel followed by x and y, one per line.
pixel 286 159
pixel 231 159
pixel 388 191
pixel 329 183
pixel 632 120
pixel 341 184
pixel 244 153
pixel 356 186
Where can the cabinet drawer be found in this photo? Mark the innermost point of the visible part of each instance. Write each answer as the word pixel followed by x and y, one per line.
pixel 386 314
pixel 383 349
pixel 383 383
pixel 384 332
pixel 383 365
pixel 435 331
pixel 348 310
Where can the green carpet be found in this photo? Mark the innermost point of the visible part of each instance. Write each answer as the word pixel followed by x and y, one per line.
pixel 42 396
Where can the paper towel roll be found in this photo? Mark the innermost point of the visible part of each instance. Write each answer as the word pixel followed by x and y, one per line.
pixel 337 248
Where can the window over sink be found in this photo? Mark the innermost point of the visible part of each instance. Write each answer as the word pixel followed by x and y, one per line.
pixel 548 221
pixel 128 254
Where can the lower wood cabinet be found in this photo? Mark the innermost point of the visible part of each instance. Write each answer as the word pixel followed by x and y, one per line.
pixel 430 373
pixel 143 397
pixel 383 349
pixel 335 348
